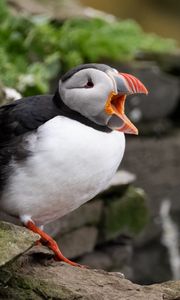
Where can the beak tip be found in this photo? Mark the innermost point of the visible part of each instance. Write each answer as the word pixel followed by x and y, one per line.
pixel 145 91
pixel 136 132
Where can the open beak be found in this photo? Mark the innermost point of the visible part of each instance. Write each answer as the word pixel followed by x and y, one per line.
pixel 126 84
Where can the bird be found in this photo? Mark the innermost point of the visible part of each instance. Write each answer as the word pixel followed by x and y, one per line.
pixel 59 151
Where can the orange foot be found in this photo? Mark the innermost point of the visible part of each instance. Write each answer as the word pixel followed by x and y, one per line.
pixel 51 244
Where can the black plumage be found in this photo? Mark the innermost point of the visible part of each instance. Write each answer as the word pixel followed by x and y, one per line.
pixel 17 119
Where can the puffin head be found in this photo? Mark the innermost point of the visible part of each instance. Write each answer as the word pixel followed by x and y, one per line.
pixel 98 92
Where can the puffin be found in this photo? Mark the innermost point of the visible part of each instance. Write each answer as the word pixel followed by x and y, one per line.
pixel 59 151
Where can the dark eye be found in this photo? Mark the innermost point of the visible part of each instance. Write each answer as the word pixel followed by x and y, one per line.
pixel 89 84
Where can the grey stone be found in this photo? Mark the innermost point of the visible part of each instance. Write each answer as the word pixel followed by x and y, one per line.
pixel 152 231
pixel 8 94
pixel 121 180
pixel 126 270
pixel 9 219
pixel 27 279
pixel 151 263
pixel 163 97
pixel 122 177
pixel 11 94
pixel 14 240
pixel 78 242
pixel 156 162
pixel 121 255
pixel 169 62
pixel 110 257
pixel 97 259
pixel 87 214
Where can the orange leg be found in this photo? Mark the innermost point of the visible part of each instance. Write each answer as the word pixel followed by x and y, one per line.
pixel 51 244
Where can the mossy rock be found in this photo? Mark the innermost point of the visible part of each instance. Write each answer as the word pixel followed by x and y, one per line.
pixel 14 240
pixel 127 214
pixel 25 287
pixel 30 279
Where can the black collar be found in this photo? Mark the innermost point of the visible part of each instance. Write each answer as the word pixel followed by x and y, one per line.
pixel 64 110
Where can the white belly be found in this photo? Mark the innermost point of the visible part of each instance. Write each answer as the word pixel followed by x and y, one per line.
pixel 69 165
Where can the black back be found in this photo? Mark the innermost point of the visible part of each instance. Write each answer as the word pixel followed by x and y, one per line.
pixel 25 115
pixel 16 120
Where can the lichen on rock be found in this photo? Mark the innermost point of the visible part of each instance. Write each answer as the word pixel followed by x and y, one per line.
pixel 14 240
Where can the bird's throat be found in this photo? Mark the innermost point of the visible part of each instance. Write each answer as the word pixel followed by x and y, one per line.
pixel 65 111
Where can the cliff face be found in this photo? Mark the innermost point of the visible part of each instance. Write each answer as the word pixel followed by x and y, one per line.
pixel 30 272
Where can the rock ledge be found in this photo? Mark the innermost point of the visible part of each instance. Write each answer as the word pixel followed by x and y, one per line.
pixel 35 275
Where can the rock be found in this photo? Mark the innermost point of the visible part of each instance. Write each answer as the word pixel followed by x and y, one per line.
pixel 154 258
pixel 32 277
pixel 57 10
pixel 163 97
pixel 97 259
pixel 111 255
pixel 122 177
pixel 14 240
pixel 156 163
pixel 127 214
pixel 156 128
pixel 168 62
pixel 8 94
pixel 151 231
pixel 9 219
pixel 87 214
pixel 121 180
pixel 78 242
pixel 11 94
pixel 120 254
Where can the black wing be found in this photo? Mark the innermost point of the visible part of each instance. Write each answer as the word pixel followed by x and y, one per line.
pixel 16 120
pixel 25 115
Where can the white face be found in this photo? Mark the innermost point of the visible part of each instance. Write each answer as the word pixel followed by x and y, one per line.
pixel 87 92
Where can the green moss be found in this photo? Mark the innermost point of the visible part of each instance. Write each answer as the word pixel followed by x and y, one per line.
pixel 126 214
pixel 14 240
pixel 26 287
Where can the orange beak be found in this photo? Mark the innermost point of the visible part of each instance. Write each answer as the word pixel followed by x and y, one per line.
pixel 126 85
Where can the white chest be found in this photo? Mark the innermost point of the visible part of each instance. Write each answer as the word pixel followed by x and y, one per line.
pixel 69 165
